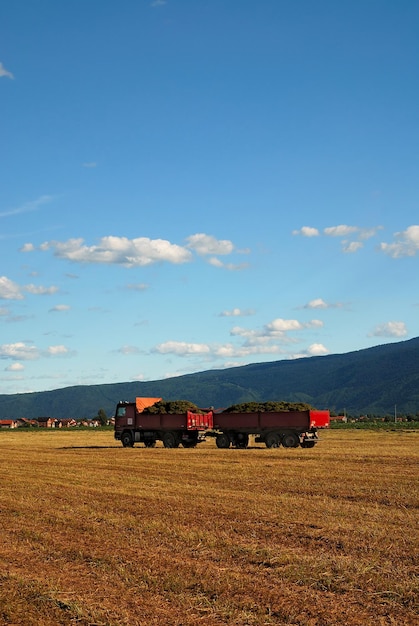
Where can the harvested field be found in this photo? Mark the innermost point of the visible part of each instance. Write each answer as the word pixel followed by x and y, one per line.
pixel 97 534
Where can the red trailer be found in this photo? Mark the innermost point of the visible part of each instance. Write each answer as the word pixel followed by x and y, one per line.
pixel 133 426
pixel 274 428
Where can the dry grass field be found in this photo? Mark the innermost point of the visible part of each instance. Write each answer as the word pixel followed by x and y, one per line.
pixel 96 534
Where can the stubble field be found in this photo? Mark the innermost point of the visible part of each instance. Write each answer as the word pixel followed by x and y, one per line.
pixel 96 534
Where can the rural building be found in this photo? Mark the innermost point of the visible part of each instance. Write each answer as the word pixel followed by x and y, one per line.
pixel 8 424
pixel 48 422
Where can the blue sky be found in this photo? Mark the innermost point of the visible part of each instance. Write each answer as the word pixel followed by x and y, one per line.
pixel 199 184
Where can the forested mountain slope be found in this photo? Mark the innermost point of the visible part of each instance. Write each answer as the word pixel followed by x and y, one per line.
pixel 369 381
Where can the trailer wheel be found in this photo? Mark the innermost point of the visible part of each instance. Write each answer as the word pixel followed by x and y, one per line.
pixel 290 440
pixel 126 440
pixel 273 440
pixel 241 440
pixel 222 441
pixel 170 440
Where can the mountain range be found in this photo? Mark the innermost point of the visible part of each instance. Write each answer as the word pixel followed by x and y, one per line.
pixel 374 381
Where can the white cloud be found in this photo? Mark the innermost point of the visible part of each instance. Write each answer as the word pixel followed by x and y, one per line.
pixel 306 231
pixel 340 231
pixel 9 290
pixel 15 367
pixel 19 351
pixel 39 290
pixel 390 329
pixel 182 348
pixel 317 349
pixel 351 246
pixel 27 247
pixel 90 164
pixel 140 251
pixel 319 303
pixel 60 308
pixel 406 244
pixel 207 244
pixel 4 72
pixel 137 252
pixel 280 325
pixel 57 350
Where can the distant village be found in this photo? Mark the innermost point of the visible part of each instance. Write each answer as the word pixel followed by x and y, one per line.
pixel 52 422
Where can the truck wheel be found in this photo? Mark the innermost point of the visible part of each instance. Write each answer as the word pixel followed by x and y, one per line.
pixel 126 440
pixel 273 440
pixel 290 440
pixel 308 444
pixel 222 441
pixel 170 440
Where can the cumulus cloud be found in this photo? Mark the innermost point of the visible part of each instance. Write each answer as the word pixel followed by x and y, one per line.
pixel 21 351
pixel 140 251
pixel 317 349
pixel 182 348
pixel 137 252
pixel 57 350
pixel 280 326
pixel 60 308
pixel 10 290
pixel 307 231
pixel 352 236
pixel 319 303
pixel 390 329
pixel 207 244
pixel 4 73
pixel 406 243
pixel 15 367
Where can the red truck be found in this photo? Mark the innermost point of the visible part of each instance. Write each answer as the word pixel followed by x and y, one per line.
pixel 273 428
pixel 133 426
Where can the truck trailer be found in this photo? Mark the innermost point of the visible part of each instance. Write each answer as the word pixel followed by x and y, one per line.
pixel 273 428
